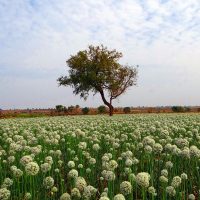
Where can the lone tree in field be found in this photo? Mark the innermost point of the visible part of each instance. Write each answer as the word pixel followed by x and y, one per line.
pixel 97 70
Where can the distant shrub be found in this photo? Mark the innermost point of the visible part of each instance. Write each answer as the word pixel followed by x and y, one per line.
pixel 85 110
pixel 70 109
pixel 180 109
pixel 101 109
pixel 60 108
pixel 127 110
pixel 77 106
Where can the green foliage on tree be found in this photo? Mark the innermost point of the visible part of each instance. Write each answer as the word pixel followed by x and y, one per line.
pixel 70 109
pixel 101 109
pixel 127 110
pixel 77 106
pixel 85 110
pixel 60 108
pixel 98 70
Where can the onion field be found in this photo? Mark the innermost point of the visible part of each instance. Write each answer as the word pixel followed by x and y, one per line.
pixel 124 157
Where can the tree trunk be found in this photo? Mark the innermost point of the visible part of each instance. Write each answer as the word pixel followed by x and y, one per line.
pixel 111 108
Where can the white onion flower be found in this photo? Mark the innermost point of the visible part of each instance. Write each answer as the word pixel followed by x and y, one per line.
pixel 171 191
pixel 48 182
pixel 142 179
pixel 65 196
pixel 125 188
pixel 4 194
pixel 32 168
pixel 119 197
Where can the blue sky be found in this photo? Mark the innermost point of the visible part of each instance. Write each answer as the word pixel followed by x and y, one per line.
pixel 37 37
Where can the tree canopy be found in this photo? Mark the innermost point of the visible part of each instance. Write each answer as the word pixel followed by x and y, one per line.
pixel 98 70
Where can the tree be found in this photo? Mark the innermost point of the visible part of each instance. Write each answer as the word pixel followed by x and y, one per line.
pixel 60 108
pixel 180 109
pixel 77 106
pixel 85 110
pixel 70 109
pixel 101 109
pixel 127 110
pixel 97 70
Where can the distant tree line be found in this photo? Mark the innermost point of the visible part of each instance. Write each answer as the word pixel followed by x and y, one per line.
pixel 126 110
pixel 77 110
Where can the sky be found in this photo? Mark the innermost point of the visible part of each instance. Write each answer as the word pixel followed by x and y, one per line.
pixel 37 37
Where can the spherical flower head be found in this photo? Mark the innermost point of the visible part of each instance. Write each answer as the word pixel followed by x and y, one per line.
pixel 168 164
pixel 25 160
pixel 104 194
pixel 119 197
pixel 27 196
pixel 80 133
pixel 7 182
pixel 60 162
pixel 11 159
pixel 86 193
pixel 4 194
pixel 184 176
pixel 135 161
pixel 171 191
pixel 48 182
pixel 32 168
pixel 164 172
pixel 194 151
pixel 152 191
pixel 105 158
pixel 104 198
pixel 17 173
pixel 95 147
pixel 80 166
pixel 185 153
pixel 88 170
pixel 76 158
pixel 82 145
pixel 176 181
pixel 191 197
pixel 13 167
pixel 49 160
pixel 92 190
pixel 58 153
pixel 148 149
pixel 127 170
pixel 92 161
pixel 128 154
pixel 75 193
pixel 65 196
pixel 128 162
pixel 163 179
pixel 45 167
pixel 57 170
pixel 54 189
pixel 112 165
pixel 142 179
pixel 73 174
pixel 80 183
pixel 71 164
pixel 157 148
pixel 125 188
pixel 108 175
